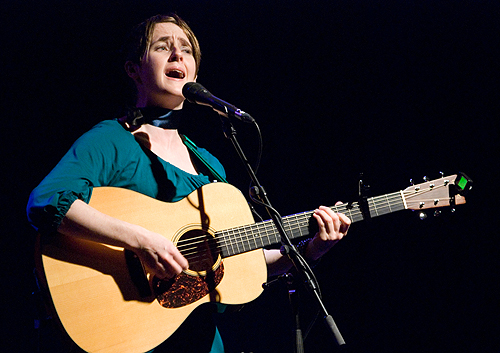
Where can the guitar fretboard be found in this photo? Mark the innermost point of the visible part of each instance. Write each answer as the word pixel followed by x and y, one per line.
pixel 238 240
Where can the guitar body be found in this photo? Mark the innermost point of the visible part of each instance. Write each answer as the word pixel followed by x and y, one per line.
pixel 94 295
pixel 105 301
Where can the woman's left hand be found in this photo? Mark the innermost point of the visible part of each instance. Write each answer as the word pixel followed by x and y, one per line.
pixel 332 227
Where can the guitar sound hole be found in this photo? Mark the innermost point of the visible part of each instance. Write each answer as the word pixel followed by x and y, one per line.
pixel 203 276
pixel 200 249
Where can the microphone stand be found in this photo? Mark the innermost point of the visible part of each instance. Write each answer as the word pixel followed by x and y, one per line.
pixel 287 248
pixel 293 298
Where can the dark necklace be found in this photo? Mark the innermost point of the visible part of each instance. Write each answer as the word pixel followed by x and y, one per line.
pixel 160 117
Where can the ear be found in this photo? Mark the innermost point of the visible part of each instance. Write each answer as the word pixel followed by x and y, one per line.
pixel 132 70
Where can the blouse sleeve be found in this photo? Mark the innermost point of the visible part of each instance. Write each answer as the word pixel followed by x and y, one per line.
pixel 88 163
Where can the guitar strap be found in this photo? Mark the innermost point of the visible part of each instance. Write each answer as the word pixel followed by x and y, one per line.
pixel 193 148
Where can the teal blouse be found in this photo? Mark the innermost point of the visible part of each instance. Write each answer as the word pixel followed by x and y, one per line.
pixel 109 155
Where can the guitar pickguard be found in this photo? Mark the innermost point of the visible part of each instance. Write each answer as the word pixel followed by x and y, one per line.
pixel 185 289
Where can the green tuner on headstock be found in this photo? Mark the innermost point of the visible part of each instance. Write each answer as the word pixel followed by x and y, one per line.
pixel 463 184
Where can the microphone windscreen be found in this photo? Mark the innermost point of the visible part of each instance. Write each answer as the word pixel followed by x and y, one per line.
pixel 193 91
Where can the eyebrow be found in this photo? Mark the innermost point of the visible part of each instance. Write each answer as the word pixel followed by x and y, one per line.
pixel 166 38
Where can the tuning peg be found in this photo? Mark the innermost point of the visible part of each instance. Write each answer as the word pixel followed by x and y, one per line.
pixel 426 178
pixel 411 182
pixel 422 215
pixel 437 213
pixel 442 174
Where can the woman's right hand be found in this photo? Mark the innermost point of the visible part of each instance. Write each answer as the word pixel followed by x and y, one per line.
pixel 160 256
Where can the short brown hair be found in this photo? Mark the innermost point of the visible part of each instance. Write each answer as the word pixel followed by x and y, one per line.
pixel 140 38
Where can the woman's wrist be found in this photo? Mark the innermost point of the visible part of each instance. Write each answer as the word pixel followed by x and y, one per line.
pixel 304 249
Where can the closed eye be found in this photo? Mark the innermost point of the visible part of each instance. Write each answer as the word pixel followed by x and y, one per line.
pixel 187 50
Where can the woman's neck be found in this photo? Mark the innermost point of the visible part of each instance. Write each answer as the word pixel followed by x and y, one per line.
pixel 166 144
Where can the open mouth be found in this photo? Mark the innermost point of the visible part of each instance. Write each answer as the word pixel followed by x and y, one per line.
pixel 175 73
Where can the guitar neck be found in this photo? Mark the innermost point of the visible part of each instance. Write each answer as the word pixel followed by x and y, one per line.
pixel 258 235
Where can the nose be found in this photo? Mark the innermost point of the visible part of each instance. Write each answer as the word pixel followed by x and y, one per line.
pixel 176 54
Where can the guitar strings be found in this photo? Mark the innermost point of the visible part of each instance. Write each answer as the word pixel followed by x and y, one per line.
pixel 234 237
pixel 268 228
pixel 246 234
pixel 377 201
pixel 300 220
pixel 353 212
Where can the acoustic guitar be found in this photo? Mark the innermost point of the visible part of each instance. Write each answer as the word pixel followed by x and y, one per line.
pixel 107 303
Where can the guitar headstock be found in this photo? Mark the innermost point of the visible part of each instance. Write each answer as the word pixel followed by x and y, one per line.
pixel 445 191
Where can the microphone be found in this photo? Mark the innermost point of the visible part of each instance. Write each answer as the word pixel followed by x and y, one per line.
pixel 196 93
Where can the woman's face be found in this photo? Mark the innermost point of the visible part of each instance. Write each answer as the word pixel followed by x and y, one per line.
pixel 167 65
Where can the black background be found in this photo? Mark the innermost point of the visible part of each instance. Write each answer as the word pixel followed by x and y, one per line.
pixel 393 89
